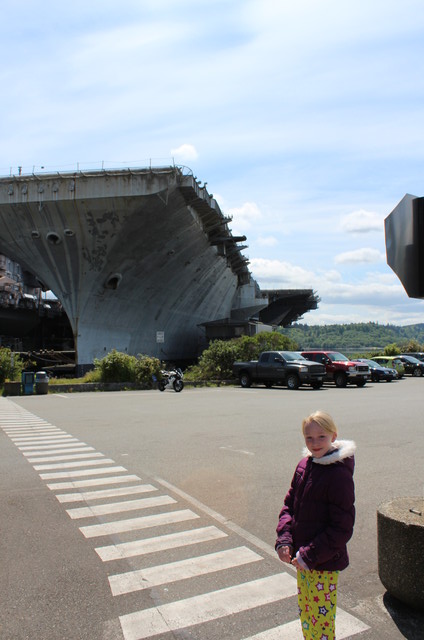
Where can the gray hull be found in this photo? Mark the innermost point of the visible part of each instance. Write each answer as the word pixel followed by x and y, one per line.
pixel 140 259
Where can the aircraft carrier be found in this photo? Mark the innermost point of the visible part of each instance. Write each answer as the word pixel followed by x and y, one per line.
pixel 140 260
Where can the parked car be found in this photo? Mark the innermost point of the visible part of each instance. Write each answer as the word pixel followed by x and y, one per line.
pixel 378 371
pixel 392 362
pixel 418 354
pixel 339 368
pixel 413 366
pixel 280 367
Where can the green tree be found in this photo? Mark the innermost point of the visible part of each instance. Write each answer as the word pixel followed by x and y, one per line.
pixel 361 336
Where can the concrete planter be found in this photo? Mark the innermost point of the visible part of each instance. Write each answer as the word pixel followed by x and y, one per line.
pixel 400 530
pixel 12 389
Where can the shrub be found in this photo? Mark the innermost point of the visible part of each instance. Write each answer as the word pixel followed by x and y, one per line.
pixel 392 350
pixel 147 369
pixel 216 361
pixel 408 346
pixel 94 375
pixel 116 367
pixel 121 367
pixel 11 365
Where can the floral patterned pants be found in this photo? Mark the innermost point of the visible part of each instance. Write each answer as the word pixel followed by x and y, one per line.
pixel 317 599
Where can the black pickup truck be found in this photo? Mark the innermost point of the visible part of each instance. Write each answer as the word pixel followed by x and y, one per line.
pixel 280 368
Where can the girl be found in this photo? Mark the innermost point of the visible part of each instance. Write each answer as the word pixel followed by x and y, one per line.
pixel 316 522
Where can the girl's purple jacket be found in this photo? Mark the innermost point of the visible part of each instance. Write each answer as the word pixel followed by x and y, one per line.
pixel 318 514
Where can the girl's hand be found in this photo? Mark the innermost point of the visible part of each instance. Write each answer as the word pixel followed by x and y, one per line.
pixel 284 553
pixel 299 563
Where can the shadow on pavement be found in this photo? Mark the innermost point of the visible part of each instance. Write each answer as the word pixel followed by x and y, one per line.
pixel 410 622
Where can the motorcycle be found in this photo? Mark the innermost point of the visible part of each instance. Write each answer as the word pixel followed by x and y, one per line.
pixel 171 380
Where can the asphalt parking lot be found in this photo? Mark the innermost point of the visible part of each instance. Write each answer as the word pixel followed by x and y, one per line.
pixel 234 450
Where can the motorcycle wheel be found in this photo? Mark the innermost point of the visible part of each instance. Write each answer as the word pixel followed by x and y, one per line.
pixel 161 385
pixel 178 385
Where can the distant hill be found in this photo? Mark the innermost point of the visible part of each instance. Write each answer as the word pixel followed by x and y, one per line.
pixel 367 336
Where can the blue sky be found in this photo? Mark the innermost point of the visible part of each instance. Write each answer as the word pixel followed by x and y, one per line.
pixel 306 120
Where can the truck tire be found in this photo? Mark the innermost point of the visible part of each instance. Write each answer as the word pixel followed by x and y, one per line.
pixel 245 380
pixel 316 385
pixel 340 379
pixel 293 382
pixel 361 383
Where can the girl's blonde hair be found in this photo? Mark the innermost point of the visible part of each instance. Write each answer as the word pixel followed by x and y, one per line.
pixel 323 419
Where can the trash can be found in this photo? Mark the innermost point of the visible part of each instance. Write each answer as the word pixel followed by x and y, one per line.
pixel 41 382
pixel 27 380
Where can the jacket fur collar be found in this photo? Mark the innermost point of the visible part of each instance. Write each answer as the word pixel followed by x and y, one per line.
pixel 341 449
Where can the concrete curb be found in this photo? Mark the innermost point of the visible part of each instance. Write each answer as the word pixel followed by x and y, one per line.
pixel 77 387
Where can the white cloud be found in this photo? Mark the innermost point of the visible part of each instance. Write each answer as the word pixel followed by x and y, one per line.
pixel 336 314
pixel 333 276
pixel 185 153
pixel 373 297
pixel 280 275
pixel 361 293
pixel 384 278
pixel 244 217
pixel 365 255
pixel 268 241
pixel 362 222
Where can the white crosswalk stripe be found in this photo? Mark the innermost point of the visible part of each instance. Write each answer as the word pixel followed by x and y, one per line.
pixel 159 543
pixel 41 439
pixel 210 606
pixel 44 440
pixel 50 449
pixel 119 507
pixel 78 474
pixel 346 627
pixel 30 425
pixel 68 456
pixel 153 576
pixel 47 447
pixel 28 450
pixel 34 432
pixel 104 493
pixel 71 465
pixel 135 524
pixel 93 482
pixel 68 449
